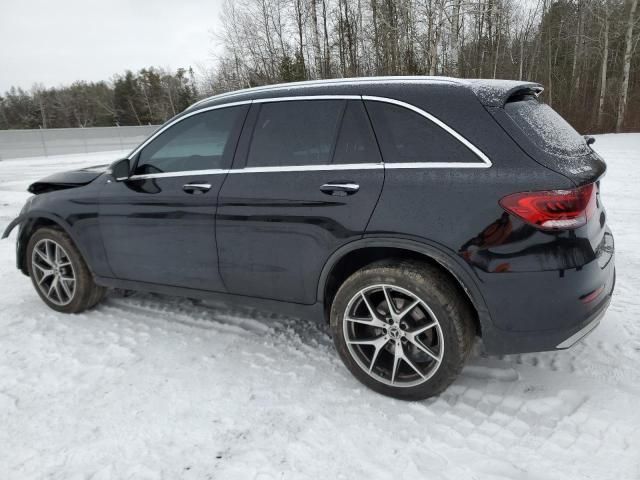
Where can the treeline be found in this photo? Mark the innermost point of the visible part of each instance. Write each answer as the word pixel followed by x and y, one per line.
pixel 149 96
pixel 583 51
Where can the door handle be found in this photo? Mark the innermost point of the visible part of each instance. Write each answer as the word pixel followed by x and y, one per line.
pixel 196 187
pixel 340 188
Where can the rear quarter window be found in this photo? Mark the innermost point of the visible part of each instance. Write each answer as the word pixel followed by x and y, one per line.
pixel 546 128
pixel 406 136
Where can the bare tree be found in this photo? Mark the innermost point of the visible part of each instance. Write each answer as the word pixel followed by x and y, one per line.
pixel 581 50
pixel 316 37
pixel 604 66
pixel 624 86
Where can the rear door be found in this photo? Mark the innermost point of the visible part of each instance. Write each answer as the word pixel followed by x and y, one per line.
pixel 159 225
pixel 306 178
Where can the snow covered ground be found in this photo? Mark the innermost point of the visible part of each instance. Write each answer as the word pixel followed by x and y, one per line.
pixel 149 387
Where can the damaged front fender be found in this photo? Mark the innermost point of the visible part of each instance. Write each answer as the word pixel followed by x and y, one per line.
pixel 14 223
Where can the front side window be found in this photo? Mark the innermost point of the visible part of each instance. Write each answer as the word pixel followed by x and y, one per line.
pixel 195 143
pixel 407 136
pixel 300 132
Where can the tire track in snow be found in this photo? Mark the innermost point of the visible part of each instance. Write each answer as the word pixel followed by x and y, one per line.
pixel 147 386
pixel 482 419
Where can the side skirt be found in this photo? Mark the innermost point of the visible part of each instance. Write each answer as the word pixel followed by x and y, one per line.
pixel 313 312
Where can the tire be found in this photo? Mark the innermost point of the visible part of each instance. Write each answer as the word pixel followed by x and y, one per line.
pixel 58 259
pixel 368 343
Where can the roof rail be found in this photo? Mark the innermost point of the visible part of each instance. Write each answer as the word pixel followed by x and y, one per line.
pixel 491 92
pixel 329 81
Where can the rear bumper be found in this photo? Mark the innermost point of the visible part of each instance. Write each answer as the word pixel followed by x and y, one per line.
pixel 583 332
pixel 553 312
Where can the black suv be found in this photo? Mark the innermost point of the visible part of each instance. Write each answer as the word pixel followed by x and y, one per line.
pixel 412 213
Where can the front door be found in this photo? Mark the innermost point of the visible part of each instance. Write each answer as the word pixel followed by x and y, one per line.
pixel 305 181
pixel 159 225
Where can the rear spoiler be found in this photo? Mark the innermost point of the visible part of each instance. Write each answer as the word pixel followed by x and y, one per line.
pixel 495 93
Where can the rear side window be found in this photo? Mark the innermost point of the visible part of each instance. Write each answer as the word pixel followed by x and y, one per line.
pixel 407 136
pixel 195 143
pixel 546 128
pixel 356 142
pixel 292 133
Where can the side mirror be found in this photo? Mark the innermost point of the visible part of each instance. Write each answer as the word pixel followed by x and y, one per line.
pixel 589 139
pixel 120 170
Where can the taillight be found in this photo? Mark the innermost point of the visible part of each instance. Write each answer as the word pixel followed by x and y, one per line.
pixel 553 209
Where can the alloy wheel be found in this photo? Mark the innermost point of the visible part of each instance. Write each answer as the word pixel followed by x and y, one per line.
pixel 393 335
pixel 53 272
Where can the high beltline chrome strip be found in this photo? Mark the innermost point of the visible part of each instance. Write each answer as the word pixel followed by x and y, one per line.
pixel 187 173
pixel 486 163
pixel 292 168
pixel 309 168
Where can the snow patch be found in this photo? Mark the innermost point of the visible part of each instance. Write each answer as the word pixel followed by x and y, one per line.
pixel 149 386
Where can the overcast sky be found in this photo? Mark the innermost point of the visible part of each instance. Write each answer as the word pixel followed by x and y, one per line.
pixel 59 41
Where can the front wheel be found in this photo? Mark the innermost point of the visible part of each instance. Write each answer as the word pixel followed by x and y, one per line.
pixel 59 273
pixel 403 329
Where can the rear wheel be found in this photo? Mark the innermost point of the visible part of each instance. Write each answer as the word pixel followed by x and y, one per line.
pixel 59 273
pixel 403 329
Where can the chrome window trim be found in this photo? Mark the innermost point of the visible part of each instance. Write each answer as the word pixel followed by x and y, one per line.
pixel 310 168
pixel 292 168
pixel 485 162
pixel 235 104
pixel 435 165
pixel 185 173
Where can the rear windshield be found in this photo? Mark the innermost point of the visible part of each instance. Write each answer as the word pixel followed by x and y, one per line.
pixel 546 128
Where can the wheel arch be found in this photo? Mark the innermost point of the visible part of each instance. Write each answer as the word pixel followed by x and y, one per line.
pixel 360 253
pixel 30 224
